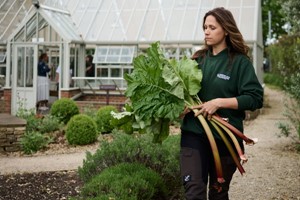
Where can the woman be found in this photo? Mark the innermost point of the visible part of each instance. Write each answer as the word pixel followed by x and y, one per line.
pixel 228 88
pixel 43 81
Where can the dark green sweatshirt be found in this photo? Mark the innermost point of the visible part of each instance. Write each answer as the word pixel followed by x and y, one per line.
pixel 222 79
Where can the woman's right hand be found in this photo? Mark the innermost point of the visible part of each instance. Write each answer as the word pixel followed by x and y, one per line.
pixel 185 111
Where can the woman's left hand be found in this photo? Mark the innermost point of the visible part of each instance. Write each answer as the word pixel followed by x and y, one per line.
pixel 208 108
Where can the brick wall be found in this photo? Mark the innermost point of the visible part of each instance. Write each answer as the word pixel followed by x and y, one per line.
pixel 5 101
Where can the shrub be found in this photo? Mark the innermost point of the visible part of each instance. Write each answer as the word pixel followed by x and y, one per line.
pixel 81 130
pixel 126 181
pixel 64 109
pixel 49 123
pixel 292 110
pixel 90 111
pixel 32 122
pixel 104 117
pixel 285 57
pixel 273 79
pixel 162 158
pixel 33 141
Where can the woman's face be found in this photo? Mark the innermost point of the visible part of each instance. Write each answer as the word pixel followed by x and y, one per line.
pixel 214 32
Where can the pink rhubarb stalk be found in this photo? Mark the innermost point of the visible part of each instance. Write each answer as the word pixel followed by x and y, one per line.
pixel 234 130
pixel 229 147
pixel 234 140
pixel 214 147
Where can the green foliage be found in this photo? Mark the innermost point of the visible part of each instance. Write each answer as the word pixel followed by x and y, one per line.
pixel 104 117
pixel 49 123
pixel 273 79
pixel 64 108
pixel 291 15
pixel 126 181
pixel 285 57
pixel 44 124
pixel 90 111
pixel 124 120
pixel 159 89
pixel 33 141
pixel 292 108
pixel 81 130
pixel 162 158
pixel 29 115
pixel 277 15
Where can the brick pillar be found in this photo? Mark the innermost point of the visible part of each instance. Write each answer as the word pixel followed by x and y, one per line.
pixel 7 100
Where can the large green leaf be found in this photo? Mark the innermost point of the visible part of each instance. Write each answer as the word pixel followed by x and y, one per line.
pixel 148 91
pixel 185 75
pixel 158 89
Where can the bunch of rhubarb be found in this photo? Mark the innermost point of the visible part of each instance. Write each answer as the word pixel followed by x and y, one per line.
pixel 159 89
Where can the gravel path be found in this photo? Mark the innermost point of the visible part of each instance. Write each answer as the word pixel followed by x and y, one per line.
pixel 273 168
pixel 272 172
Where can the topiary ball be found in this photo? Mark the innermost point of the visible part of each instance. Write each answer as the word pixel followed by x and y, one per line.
pixel 81 130
pixel 64 109
pixel 104 117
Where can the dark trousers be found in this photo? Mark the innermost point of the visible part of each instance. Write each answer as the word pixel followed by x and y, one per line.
pixel 198 170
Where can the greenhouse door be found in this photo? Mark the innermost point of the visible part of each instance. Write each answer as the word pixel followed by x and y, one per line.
pixel 24 77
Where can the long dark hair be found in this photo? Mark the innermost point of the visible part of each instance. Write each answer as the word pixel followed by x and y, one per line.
pixel 234 38
pixel 42 56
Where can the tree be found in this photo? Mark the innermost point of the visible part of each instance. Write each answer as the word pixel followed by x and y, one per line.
pixel 277 20
pixel 291 10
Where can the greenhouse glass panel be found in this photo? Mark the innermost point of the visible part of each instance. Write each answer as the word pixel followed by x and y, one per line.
pixel 129 4
pixel 20 36
pixel 247 28
pixel 175 24
pixel 236 15
pixel 167 4
pixel 31 28
pixel 2 57
pixel 207 5
pixel 150 25
pixel 220 3
pixel 193 4
pixel 142 4
pixel 186 31
pixel 102 72
pixel 154 5
pixel 125 16
pixel 62 23
pixel 116 54
pixel 21 70
pixel 116 72
pixel 135 25
pixel 249 3
pixel 159 29
pixel 97 27
pixel 234 3
pixel 94 4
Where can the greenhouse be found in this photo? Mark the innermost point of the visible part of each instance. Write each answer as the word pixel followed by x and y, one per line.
pixel 113 32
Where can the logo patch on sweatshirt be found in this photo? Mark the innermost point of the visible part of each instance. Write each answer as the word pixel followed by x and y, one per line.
pixel 223 76
pixel 187 178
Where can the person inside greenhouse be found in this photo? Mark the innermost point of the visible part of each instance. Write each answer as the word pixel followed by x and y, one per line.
pixel 90 67
pixel 58 72
pixel 43 82
pixel 229 87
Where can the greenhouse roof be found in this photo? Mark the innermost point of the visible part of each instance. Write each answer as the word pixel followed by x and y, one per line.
pixel 113 21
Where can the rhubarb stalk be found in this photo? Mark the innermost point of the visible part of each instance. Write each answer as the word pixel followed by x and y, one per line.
pixel 229 147
pixel 213 146
pixel 238 133
pixel 234 140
